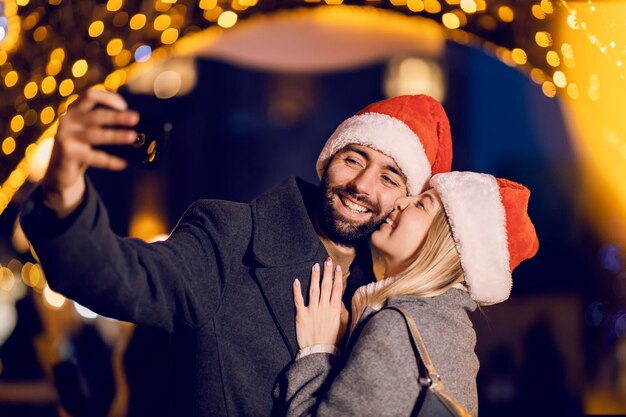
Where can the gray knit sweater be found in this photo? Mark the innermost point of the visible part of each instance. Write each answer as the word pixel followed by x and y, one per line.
pixel 379 377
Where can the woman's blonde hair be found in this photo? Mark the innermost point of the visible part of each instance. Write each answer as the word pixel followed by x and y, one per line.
pixel 435 269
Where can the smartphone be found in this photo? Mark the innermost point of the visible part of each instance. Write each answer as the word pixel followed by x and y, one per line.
pixel 147 150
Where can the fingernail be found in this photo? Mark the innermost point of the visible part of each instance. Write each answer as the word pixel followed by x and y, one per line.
pixel 338 268
pixel 296 282
pixel 316 267
pixel 329 261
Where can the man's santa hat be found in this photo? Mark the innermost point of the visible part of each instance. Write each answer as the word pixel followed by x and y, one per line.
pixel 491 228
pixel 413 130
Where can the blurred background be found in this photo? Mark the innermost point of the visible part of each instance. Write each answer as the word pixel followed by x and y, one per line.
pixel 240 94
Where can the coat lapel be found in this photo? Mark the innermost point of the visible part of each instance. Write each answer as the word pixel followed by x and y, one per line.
pixel 285 246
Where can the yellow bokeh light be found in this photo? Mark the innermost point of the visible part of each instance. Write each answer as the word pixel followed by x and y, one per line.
pixel 31 89
pixel 8 145
pixel 66 87
pixel 3 57
pixel 138 21
pixel 207 4
pixel 11 78
pixel 468 6
pixel 40 158
pixel 96 29
pixel 481 5
pixel 506 14
pixel 80 68
pixel 35 276
pixel 114 5
pixel 72 99
pixel 547 7
pixel 115 46
pixel 519 56
pixel 594 93
pixel 16 179
pixel 572 21
pixel 22 2
pixel 432 6
pixel 552 57
pixel 123 58
pixel 17 123
pixel 7 279
pixel 113 81
pixel 396 3
pixel 58 53
pixel 161 6
pixel 47 115
pixel 227 19
pixel 559 78
pixel 54 67
pixel 48 85
pixel 54 299
pixel 537 76
pixel 543 39
pixel 415 5
pixel 170 35
pixel 548 88
pixel 162 22
pixel 4 201
pixel 538 12
pixel 40 34
pixel 572 91
pixel 567 50
pixel 450 20
pixel 212 14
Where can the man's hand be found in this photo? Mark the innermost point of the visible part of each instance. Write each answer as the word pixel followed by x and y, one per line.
pixel 80 129
pixel 324 320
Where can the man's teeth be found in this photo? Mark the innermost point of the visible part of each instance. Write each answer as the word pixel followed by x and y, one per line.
pixel 354 207
pixel 389 221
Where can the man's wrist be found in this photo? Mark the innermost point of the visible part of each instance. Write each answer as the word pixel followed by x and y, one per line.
pixel 63 201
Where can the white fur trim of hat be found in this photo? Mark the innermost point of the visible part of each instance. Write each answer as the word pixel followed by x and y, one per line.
pixel 474 207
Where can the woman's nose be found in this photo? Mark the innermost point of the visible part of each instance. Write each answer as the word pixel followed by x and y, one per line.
pixel 401 203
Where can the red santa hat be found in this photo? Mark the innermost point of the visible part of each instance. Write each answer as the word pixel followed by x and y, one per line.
pixel 413 130
pixel 491 228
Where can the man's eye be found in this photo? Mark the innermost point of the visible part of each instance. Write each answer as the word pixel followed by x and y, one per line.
pixel 351 161
pixel 390 180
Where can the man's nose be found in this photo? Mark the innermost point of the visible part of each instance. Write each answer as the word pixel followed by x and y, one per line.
pixel 364 181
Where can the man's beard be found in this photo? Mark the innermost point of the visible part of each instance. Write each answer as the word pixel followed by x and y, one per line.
pixel 339 229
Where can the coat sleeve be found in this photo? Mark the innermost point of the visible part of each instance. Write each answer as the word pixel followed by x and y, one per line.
pixel 165 284
pixel 379 377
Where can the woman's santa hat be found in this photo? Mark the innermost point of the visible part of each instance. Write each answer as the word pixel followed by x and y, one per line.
pixel 413 130
pixel 491 228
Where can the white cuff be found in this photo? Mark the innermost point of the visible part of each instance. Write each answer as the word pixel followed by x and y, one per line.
pixel 320 348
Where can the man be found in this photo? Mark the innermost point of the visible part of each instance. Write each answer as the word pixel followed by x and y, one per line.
pixel 222 282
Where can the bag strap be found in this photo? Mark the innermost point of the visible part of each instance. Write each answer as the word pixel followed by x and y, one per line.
pixel 432 378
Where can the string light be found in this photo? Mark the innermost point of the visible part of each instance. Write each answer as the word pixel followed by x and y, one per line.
pixel 105 53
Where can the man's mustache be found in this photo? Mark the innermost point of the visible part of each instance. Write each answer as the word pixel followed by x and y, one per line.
pixel 356 196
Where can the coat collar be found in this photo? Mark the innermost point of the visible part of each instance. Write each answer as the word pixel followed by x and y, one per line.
pixel 283 233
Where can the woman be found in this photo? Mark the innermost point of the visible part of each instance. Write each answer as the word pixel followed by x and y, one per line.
pixel 446 251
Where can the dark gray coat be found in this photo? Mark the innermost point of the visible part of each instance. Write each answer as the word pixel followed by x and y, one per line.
pixel 379 378
pixel 221 284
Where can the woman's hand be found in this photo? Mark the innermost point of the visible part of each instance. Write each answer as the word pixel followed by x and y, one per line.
pixel 325 319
